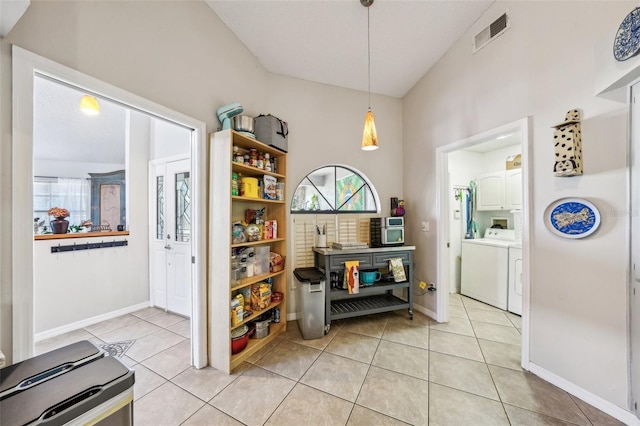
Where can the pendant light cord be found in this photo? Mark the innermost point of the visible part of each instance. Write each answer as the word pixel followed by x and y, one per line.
pixel 369 57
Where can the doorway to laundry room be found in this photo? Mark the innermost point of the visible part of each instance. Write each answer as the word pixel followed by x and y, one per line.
pixel 482 233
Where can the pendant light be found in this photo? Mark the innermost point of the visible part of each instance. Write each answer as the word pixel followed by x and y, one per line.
pixel 89 105
pixel 369 136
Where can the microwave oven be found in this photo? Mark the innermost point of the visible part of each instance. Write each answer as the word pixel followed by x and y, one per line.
pixel 386 231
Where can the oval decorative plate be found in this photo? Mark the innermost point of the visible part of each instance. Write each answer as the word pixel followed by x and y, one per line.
pixel 572 218
pixel 627 41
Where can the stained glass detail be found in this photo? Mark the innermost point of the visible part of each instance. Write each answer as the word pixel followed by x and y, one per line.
pixel 333 189
pixel 160 207
pixel 183 207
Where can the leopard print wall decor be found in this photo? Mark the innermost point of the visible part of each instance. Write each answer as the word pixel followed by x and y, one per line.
pixel 567 139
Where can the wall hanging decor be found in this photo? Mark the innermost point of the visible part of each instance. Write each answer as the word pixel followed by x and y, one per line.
pixel 626 44
pixel 567 139
pixel 572 218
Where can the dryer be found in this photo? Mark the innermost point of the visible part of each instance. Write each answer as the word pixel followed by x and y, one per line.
pixel 485 267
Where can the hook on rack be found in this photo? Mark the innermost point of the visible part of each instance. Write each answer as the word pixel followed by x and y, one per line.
pixel 88 246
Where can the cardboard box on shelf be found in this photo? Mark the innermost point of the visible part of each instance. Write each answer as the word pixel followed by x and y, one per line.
pixel 514 162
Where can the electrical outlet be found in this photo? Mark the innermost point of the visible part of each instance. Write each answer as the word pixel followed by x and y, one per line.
pixel 425 227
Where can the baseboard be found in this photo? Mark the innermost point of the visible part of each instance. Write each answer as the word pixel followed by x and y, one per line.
pixel 425 311
pixel 627 417
pixel 87 322
pixel 292 317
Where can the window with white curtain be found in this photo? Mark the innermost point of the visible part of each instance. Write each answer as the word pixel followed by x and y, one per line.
pixel 73 194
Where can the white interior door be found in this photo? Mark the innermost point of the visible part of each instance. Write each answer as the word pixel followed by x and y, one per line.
pixel 171 237
pixel 634 289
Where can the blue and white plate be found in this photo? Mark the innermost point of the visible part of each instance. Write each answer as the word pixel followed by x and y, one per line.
pixel 572 218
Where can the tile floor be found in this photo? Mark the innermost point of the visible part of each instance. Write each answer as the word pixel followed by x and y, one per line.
pixel 375 370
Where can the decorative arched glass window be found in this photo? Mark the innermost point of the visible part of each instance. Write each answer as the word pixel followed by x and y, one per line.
pixel 335 189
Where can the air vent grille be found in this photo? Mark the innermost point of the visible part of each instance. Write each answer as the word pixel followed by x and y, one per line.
pixel 498 25
pixel 487 34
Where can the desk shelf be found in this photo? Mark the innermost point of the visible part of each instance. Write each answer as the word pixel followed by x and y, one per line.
pixel 371 299
pixel 347 308
pixel 368 290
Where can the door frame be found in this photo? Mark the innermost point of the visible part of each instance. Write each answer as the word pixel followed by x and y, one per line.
pixel 633 134
pixel 25 66
pixel 152 217
pixel 442 207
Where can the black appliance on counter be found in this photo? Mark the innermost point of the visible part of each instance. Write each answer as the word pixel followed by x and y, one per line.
pixel 77 384
pixel 386 231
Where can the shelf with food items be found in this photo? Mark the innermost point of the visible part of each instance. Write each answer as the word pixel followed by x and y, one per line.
pixel 254 310
pixel 241 198
pixel 257 188
pixel 245 146
pixel 249 266
pixel 254 228
pixel 254 345
pixel 255 243
pixel 255 315
pixel 248 218
pixel 250 315
pixel 248 281
pixel 246 170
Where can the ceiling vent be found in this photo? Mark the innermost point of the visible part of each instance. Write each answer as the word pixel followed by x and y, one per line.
pixel 488 34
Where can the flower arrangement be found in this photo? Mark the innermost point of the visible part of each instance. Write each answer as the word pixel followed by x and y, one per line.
pixel 58 212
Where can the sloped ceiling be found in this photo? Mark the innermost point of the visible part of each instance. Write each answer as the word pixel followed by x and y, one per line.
pixel 326 40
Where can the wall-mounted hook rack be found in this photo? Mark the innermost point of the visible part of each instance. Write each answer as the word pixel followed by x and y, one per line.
pixel 88 246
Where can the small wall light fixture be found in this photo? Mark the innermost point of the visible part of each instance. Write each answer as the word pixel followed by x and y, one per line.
pixel 89 105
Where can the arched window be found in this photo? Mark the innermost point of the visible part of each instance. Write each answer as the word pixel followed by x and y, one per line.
pixel 335 189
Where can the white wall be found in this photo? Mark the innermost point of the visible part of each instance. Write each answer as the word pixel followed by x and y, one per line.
pixel 72 169
pixel 180 55
pixel 541 67
pixel 6 302
pixel 464 166
pixel 325 127
pixel 70 287
pixel 168 140
pixel 493 161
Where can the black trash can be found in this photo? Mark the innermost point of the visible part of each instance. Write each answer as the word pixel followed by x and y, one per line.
pixel 310 293
pixel 77 383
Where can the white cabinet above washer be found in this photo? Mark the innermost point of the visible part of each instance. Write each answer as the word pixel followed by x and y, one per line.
pixel 500 190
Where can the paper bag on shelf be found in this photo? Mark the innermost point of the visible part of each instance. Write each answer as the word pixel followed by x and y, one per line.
pixel 352 276
pixel 397 269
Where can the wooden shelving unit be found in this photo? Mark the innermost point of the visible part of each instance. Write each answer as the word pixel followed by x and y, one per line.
pixel 224 210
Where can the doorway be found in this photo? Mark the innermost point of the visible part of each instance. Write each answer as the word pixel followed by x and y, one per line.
pixel 170 236
pixel 458 219
pixel 26 66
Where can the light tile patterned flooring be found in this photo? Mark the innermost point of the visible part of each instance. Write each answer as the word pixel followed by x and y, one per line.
pixel 375 370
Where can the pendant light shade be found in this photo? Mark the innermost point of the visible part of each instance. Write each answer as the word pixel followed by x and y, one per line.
pixel 89 105
pixel 369 136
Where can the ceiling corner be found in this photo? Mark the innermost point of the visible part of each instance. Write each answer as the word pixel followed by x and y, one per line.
pixel 10 13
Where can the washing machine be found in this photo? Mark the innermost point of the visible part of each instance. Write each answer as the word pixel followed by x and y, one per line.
pixel 515 279
pixel 485 267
